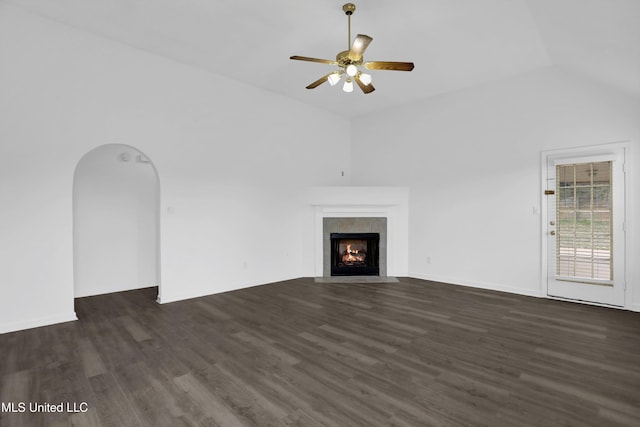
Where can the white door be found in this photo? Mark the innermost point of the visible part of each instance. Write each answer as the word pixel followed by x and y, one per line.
pixel 584 228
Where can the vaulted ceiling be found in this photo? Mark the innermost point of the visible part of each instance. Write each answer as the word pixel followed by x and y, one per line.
pixel 454 43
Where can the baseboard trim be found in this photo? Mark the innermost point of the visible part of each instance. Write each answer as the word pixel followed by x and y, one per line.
pixel 185 296
pixel 166 299
pixel 526 292
pixel 480 285
pixel 37 323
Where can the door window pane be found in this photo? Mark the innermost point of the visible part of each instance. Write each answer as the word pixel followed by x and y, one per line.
pixel 584 220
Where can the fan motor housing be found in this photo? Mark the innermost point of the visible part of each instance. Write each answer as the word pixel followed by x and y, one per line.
pixel 343 59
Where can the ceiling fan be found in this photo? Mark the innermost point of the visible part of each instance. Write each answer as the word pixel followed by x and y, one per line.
pixel 350 60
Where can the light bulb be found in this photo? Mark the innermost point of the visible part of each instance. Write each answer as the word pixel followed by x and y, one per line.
pixel 365 79
pixel 333 79
pixel 351 70
pixel 348 86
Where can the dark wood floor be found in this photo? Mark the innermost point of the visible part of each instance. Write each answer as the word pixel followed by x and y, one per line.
pixel 413 353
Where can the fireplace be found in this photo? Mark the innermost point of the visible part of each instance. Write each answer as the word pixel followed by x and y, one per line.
pixel 355 254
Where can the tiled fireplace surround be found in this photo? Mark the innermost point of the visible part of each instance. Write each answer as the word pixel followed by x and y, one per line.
pixel 353 225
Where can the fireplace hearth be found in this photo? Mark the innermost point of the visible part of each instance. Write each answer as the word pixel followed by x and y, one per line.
pixel 355 254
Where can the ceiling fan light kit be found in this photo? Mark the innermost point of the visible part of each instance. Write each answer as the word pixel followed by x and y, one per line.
pixel 349 61
pixel 334 78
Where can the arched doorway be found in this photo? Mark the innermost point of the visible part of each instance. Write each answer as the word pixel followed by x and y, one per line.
pixel 116 221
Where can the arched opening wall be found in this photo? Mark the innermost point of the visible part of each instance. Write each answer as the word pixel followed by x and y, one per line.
pixel 116 200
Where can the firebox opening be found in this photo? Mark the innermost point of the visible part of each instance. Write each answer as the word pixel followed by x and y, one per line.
pixel 355 254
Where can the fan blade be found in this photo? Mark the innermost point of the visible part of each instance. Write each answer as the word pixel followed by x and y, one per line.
pixel 319 81
pixel 365 88
pixel 306 58
pixel 359 45
pixel 388 65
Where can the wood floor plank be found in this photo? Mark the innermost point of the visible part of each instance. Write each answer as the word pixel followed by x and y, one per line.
pixel 359 339
pixel 247 391
pixel 113 407
pixel 208 402
pixel 91 360
pixel 137 331
pixel 301 353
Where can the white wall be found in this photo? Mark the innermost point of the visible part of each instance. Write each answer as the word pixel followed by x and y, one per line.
pixel 472 162
pixel 116 228
pixel 231 160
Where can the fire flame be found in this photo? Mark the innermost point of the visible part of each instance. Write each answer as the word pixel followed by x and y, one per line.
pixel 353 255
